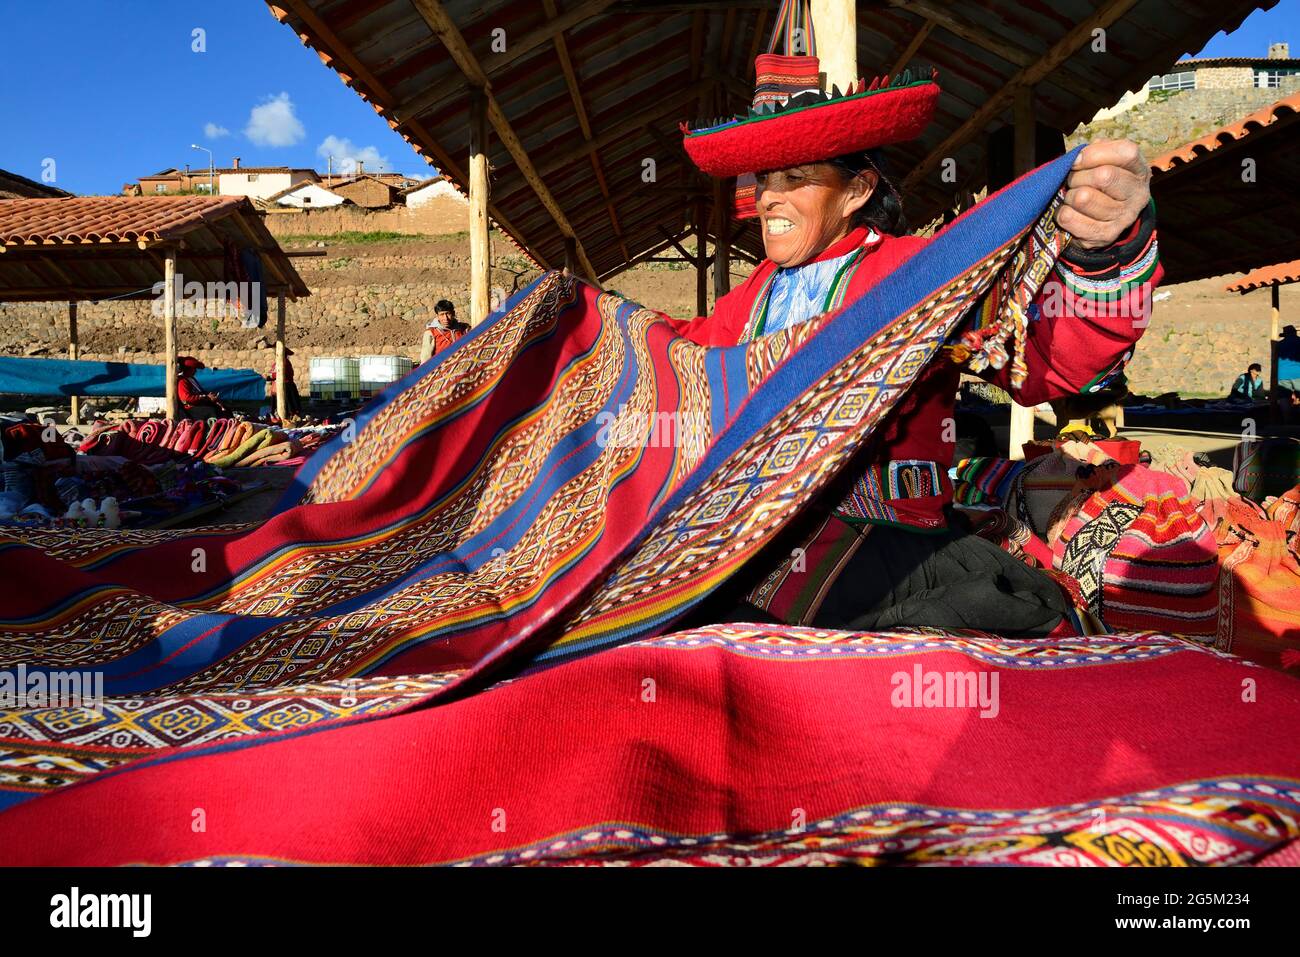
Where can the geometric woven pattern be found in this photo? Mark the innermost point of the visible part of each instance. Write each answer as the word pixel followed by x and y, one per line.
pixel 757 745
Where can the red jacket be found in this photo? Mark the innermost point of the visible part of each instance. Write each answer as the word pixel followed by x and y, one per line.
pixel 1088 340
pixel 188 390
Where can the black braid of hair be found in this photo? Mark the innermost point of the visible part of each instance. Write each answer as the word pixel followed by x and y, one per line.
pixel 883 212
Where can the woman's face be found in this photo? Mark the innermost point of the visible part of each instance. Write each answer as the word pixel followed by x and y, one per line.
pixel 806 209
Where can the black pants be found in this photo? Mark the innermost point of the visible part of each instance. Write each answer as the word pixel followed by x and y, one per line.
pixel 953 579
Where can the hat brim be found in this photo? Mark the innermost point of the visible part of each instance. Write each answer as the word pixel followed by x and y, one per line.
pixel 814 133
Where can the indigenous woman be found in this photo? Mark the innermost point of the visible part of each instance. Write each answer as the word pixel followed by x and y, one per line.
pixel 195 403
pixel 890 552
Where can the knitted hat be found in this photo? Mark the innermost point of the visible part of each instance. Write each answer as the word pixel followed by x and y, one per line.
pixel 813 127
pixel 1144 557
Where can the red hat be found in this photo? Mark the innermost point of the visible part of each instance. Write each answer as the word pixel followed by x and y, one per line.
pixel 812 126
pixel 189 362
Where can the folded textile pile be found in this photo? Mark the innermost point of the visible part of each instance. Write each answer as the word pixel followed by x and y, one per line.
pixel 225 443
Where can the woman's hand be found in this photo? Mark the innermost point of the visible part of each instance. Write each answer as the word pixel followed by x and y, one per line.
pixel 1106 191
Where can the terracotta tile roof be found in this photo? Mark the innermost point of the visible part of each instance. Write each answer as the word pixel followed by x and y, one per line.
pixel 84 248
pixel 107 219
pixel 1281 274
pixel 1256 121
pixel 219 170
pixel 1212 61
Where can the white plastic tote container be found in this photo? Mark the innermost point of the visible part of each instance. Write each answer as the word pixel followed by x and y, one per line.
pixel 335 377
pixel 379 372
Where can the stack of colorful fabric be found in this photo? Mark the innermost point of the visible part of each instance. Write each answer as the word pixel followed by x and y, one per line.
pixel 1143 555
pixel 225 443
pixel 502 534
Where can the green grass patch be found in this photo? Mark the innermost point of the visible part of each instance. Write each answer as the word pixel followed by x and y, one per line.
pixel 355 238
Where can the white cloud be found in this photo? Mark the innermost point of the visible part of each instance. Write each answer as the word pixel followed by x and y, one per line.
pixel 347 155
pixel 214 131
pixel 273 123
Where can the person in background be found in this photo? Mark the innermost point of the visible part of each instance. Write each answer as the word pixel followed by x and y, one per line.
pixel 1247 387
pixel 195 403
pixel 443 330
pixel 292 401
pixel 1287 386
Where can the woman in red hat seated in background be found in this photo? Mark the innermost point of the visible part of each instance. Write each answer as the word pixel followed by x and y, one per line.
pixel 891 552
pixel 196 403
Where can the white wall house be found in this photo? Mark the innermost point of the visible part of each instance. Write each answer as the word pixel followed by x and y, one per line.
pixel 261 182
pixel 308 195
pixel 430 190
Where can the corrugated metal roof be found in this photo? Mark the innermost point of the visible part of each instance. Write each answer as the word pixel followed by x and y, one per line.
pixel 642 68
pixel 96 247
pixel 1276 275
pixel 1227 202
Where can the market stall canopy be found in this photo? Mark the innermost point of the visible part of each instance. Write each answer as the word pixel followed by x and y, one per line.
pixel 105 247
pixel 583 92
pixel 1227 202
pixel 1281 274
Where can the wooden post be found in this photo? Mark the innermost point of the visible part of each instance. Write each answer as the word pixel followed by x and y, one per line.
pixel 1022 417
pixel 570 255
pixel 723 189
pixel 74 352
pixel 169 330
pixel 1275 336
pixel 701 262
pixel 281 360
pixel 835 23
pixel 479 253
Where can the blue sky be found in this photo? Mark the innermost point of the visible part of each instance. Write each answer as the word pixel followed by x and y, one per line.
pixel 112 89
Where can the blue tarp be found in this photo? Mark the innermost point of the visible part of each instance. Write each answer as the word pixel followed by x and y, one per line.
pixel 67 377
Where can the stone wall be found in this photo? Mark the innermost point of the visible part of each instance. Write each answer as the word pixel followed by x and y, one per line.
pixel 438 217
pixel 1162 125
pixel 374 299
pixel 1225 77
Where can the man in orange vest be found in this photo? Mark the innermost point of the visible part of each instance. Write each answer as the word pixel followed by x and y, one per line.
pixel 442 331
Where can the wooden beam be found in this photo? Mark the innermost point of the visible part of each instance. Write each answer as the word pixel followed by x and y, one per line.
pixel 935 13
pixel 701 262
pixel 480 266
pixel 723 190
pixel 666 107
pixel 441 23
pixel 1062 50
pixel 660 9
pixel 646 256
pixel 74 352
pixel 516 47
pixel 584 124
pixel 281 361
pixel 676 242
pixel 913 47
pixel 169 331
